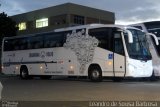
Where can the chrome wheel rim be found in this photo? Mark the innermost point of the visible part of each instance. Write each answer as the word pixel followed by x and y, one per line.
pixel 95 74
pixel 24 74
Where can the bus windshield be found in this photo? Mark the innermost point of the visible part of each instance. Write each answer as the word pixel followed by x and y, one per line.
pixel 154 27
pixel 139 49
pixel 155 31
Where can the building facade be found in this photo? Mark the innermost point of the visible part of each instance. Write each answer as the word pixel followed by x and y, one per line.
pixel 60 16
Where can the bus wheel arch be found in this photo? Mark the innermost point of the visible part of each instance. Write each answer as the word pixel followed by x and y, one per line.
pixel 24 74
pixel 95 73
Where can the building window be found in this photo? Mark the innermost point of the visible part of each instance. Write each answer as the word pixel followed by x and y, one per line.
pixel 22 26
pixel 79 19
pixel 41 23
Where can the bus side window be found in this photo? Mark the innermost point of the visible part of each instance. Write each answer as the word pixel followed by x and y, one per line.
pixel 23 43
pixel 35 42
pixel 104 37
pixel 46 44
pixel 16 44
pixel 53 40
pixel 8 46
pixel 59 40
pixel 52 44
pixel 157 48
pixel 118 44
pixel 49 40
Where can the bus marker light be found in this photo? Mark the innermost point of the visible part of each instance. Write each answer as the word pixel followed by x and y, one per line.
pixel 41 67
pixel 16 67
pixel 110 63
pixel 71 67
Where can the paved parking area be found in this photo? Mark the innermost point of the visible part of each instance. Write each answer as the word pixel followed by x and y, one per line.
pixel 64 89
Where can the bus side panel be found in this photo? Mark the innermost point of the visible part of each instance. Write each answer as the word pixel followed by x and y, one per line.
pixel 66 62
pixel 104 59
pixel 8 67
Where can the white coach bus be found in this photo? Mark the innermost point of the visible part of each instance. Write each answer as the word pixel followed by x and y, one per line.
pixel 95 51
pixel 152 27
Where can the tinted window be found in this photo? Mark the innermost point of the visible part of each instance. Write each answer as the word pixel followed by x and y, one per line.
pixel 104 37
pixel 15 44
pixel 78 19
pixel 35 42
pixel 44 40
pixel 53 40
pixel 23 43
pixel 8 45
pixel 139 27
pixel 118 44
pixel 151 25
pixel 157 47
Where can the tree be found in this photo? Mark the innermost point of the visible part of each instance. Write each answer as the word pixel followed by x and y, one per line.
pixel 7 26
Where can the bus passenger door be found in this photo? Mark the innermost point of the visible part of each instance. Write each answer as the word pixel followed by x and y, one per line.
pixel 119 55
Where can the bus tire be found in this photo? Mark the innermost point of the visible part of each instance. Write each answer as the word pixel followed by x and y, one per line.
pixel 95 74
pixel 24 72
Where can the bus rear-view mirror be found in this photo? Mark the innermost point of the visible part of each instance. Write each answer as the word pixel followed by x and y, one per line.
pixel 155 37
pixel 130 36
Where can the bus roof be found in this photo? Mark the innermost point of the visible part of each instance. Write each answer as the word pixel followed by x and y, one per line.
pixel 146 23
pixel 89 26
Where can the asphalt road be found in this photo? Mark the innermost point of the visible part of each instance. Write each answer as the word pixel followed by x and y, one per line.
pixel 64 89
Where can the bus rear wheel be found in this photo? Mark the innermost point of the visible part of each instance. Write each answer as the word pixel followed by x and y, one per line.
pixel 95 74
pixel 24 73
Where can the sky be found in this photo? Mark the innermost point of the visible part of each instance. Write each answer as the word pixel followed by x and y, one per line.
pixel 126 11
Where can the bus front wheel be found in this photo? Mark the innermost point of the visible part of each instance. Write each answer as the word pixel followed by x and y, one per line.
pixel 24 73
pixel 95 74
